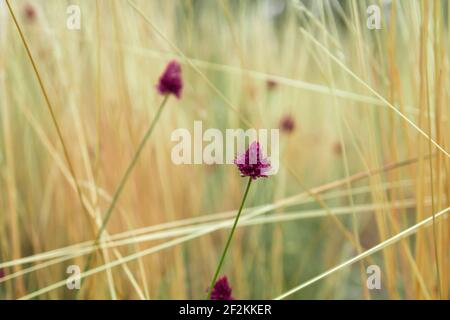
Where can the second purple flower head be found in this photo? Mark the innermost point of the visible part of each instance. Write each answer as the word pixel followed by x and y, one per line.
pixel 170 82
pixel 221 290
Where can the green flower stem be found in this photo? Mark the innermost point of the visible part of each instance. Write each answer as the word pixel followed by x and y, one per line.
pixel 124 179
pixel 222 258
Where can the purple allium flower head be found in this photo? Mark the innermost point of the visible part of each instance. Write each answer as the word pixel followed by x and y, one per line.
pixel 170 81
pixel 252 163
pixel 221 290
pixel 287 124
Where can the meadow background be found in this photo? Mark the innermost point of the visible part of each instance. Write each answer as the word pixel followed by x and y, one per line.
pixel 354 172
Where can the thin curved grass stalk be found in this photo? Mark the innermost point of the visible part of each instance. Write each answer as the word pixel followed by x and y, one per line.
pixel 191 223
pixel 177 241
pixel 280 79
pixel 66 174
pixel 49 108
pixel 387 103
pixel 428 105
pixel 281 203
pixel 124 179
pixel 405 233
pixel 273 218
pixel 139 254
pixel 174 225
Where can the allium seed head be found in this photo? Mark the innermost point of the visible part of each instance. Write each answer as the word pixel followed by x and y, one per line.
pixel 252 163
pixel 170 82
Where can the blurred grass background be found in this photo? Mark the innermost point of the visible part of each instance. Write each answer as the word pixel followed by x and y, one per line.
pixel 263 60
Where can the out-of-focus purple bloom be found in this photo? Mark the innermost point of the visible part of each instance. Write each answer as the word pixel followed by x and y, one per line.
pixel 252 163
pixel 221 290
pixel 337 148
pixel 170 82
pixel 2 273
pixel 271 84
pixel 287 124
pixel 29 12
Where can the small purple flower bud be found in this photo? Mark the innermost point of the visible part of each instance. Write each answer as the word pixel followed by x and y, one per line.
pixel 170 81
pixel 29 12
pixel 287 124
pixel 221 290
pixel 271 84
pixel 337 148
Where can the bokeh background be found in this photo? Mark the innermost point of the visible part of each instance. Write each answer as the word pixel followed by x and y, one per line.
pixel 353 173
